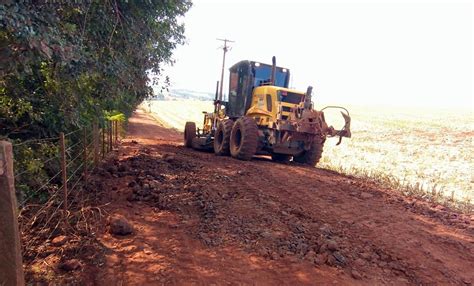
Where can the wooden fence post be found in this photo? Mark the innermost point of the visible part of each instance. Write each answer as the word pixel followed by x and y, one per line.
pixel 11 266
pixel 112 130
pixel 103 141
pixel 110 135
pixel 62 147
pixel 95 137
pixel 116 132
pixel 85 154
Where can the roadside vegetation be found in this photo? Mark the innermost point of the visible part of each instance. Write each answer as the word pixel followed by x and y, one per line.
pixel 68 64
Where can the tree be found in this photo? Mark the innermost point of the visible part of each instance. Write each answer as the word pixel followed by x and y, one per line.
pixel 64 65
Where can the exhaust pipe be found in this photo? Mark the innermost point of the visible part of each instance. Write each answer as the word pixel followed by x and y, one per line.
pixel 307 98
pixel 273 70
pixel 216 97
pixel 217 108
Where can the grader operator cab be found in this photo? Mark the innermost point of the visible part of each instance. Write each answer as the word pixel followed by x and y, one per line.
pixel 263 116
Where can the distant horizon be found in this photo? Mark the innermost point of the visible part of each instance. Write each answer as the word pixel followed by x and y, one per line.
pixel 360 105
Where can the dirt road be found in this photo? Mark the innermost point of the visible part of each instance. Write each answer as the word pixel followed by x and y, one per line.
pixel 202 219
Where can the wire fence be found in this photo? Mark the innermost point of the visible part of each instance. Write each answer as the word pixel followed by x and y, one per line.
pixel 57 168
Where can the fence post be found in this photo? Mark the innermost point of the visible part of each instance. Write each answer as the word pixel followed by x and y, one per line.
pixel 103 141
pixel 11 267
pixel 112 131
pixel 110 135
pixel 62 146
pixel 116 132
pixel 85 154
pixel 95 136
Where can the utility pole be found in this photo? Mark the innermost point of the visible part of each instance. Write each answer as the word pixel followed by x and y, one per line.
pixel 218 100
pixel 225 48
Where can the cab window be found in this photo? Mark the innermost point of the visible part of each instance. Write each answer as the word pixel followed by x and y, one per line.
pixel 269 102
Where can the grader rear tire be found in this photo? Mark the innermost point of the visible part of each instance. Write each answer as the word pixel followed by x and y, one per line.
pixel 312 156
pixel 222 137
pixel 189 133
pixel 244 138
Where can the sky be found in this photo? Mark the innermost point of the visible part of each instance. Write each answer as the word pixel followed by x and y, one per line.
pixel 417 53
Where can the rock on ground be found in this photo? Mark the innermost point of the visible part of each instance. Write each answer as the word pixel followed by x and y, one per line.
pixel 119 225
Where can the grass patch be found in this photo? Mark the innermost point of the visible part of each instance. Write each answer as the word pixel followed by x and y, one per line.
pixel 418 190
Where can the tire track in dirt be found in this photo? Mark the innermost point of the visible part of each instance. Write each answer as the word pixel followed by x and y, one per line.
pixel 200 218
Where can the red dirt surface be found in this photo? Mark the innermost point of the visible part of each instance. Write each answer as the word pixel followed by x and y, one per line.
pixel 203 219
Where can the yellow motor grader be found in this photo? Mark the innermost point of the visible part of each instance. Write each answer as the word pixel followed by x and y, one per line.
pixel 263 116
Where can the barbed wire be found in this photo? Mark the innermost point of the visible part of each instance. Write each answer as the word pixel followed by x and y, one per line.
pixel 77 182
pixel 73 179
pixel 45 139
pixel 74 173
pixel 44 162
pixel 53 177
pixel 40 188
pixel 72 132
pixel 57 137
pixel 91 163
pixel 90 144
pixel 75 158
pixel 35 141
pixel 90 135
pixel 44 205
pixel 74 145
pixel 46 223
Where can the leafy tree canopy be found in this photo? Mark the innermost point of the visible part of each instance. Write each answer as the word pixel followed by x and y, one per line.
pixel 64 64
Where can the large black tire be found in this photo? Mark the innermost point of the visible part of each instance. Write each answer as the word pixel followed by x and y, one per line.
pixel 244 138
pixel 222 137
pixel 312 156
pixel 189 134
pixel 282 158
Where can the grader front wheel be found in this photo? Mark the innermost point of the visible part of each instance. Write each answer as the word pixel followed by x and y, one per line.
pixel 312 156
pixel 189 133
pixel 244 138
pixel 222 137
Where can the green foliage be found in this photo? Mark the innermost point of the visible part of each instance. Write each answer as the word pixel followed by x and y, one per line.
pixel 36 164
pixel 115 115
pixel 65 64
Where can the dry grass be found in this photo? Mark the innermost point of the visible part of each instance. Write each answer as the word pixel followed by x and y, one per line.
pixel 422 152
pixel 175 113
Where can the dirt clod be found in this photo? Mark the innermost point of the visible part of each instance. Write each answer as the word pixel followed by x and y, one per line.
pixel 122 168
pixel 356 275
pixel 321 259
pixel 340 259
pixel 59 240
pixel 120 226
pixel 332 245
pixel 168 157
pixel 70 265
pixel 365 195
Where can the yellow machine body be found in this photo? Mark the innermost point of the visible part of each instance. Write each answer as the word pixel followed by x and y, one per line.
pixel 266 107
